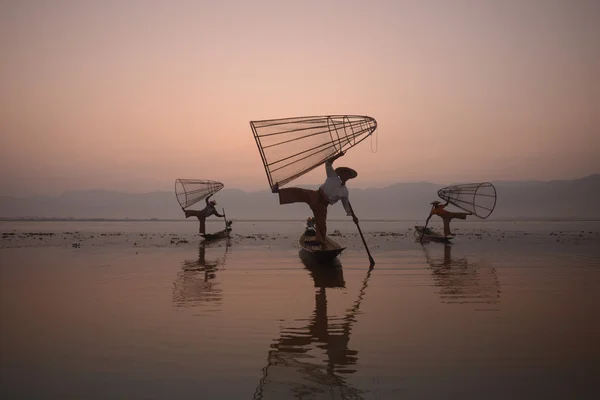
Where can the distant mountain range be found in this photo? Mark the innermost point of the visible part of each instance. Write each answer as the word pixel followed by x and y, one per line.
pixel 572 199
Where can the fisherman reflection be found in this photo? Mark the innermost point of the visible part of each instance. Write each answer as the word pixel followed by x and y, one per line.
pixel 461 281
pixel 196 283
pixel 292 369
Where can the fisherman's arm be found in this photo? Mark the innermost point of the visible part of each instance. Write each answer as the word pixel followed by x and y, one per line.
pixel 348 208
pixel 208 198
pixel 346 205
pixel 217 214
pixel 329 164
pixel 329 168
pixel 428 218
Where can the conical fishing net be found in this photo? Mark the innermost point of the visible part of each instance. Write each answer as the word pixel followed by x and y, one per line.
pixel 291 147
pixel 191 191
pixel 478 198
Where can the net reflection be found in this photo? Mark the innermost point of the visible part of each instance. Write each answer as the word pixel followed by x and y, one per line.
pixel 311 356
pixel 195 283
pixel 461 281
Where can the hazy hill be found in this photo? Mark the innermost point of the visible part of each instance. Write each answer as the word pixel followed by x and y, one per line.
pixel 530 200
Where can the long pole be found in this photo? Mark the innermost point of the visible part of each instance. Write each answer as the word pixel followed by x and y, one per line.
pixel 425 227
pixel 361 236
pixel 225 219
pixel 423 232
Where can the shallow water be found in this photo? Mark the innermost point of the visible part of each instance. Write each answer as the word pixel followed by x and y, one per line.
pixel 501 313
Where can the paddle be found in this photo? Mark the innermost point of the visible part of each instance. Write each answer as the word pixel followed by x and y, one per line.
pixel 361 235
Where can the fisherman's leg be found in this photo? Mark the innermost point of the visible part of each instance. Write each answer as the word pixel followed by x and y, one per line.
pixel 202 221
pixel 192 213
pixel 459 215
pixel 320 213
pixel 295 195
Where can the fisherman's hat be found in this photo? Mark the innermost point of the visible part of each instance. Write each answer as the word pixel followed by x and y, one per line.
pixel 435 203
pixel 349 172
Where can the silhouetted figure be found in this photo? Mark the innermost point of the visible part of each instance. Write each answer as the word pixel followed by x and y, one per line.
pixel 204 213
pixel 333 190
pixel 447 216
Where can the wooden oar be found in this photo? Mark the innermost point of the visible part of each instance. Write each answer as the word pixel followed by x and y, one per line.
pixel 362 237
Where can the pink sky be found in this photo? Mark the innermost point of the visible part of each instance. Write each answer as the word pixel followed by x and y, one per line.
pixel 130 95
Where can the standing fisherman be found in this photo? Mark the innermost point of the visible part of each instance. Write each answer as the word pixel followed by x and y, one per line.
pixel 330 192
pixel 447 216
pixel 204 213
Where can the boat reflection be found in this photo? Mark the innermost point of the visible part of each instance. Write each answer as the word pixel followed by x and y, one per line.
pixel 311 356
pixel 195 283
pixel 330 275
pixel 462 281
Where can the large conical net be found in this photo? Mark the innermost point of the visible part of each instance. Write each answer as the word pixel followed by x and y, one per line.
pixel 478 198
pixel 191 191
pixel 291 147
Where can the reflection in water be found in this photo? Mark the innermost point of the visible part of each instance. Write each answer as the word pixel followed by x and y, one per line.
pixel 195 283
pixel 461 281
pixel 308 361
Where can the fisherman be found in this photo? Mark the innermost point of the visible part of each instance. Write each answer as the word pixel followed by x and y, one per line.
pixel 204 213
pixel 330 192
pixel 447 216
pixel 310 230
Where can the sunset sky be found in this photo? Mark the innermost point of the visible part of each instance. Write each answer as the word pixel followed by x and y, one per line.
pixel 130 95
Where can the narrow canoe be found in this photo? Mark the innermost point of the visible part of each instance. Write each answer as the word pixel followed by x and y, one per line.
pixel 430 235
pixel 330 251
pixel 217 235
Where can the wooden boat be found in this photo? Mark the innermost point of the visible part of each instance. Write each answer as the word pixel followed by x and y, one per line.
pixel 220 234
pixel 217 235
pixel 321 254
pixel 430 235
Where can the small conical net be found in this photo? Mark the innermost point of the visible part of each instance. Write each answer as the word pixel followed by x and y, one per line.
pixel 191 191
pixel 478 198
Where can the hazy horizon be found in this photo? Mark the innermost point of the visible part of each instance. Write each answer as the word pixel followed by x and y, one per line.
pixel 563 200
pixel 263 189
pixel 129 96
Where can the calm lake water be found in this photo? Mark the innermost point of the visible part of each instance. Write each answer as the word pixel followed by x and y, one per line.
pixel 147 311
